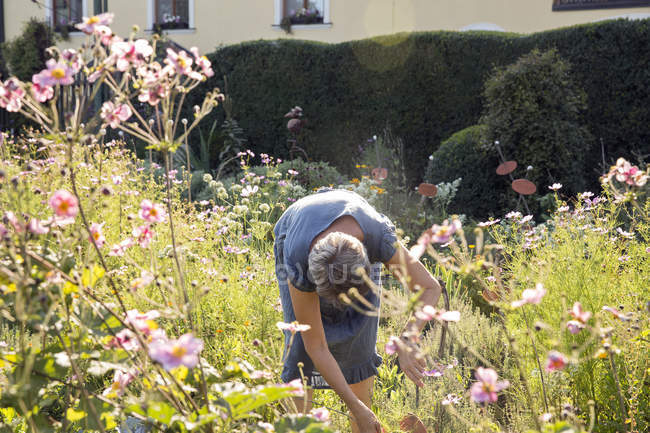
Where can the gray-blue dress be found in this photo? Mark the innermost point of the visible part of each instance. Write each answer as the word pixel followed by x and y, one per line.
pixel 351 335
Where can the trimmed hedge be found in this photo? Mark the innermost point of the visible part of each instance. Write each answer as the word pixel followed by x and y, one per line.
pixel 426 86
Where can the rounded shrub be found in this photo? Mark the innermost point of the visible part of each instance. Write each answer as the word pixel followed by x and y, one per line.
pixel 533 109
pixel 466 155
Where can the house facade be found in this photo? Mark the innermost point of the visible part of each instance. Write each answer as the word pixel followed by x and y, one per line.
pixel 208 24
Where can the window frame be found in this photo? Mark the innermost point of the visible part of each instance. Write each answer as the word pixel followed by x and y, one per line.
pixel 50 14
pixel 152 8
pixel 279 15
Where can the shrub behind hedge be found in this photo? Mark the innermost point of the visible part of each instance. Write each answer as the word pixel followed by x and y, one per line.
pixel 426 86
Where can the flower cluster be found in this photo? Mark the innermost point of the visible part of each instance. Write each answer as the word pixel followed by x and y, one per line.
pixel 627 173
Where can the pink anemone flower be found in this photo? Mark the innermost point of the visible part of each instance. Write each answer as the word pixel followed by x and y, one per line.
pixel 487 387
pixel 173 353
pixel 113 114
pixel 56 73
pixel 152 212
pixel 64 204
pixel 429 313
pixel 11 95
pixel 89 25
pixel 143 235
pixel 97 235
pixel 181 62
pixel 129 53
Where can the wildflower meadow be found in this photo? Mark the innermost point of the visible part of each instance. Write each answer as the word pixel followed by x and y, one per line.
pixel 139 295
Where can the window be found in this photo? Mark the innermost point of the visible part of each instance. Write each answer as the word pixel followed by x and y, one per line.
pixel 64 14
pixel 297 12
pixel 170 14
pixel 304 11
pixel 173 14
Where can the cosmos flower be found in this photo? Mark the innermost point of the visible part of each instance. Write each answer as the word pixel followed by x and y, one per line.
pixel 487 387
pixel 555 361
pixel 11 95
pixel 293 327
pixel 429 313
pixel 530 296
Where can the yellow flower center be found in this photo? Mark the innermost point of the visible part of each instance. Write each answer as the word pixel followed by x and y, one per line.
pixel 93 20
pixel 153 212
pixel 487 387
pixel 182 62
pixel 179 351
pixel 58 73
pixel 96 235
pixel 63 207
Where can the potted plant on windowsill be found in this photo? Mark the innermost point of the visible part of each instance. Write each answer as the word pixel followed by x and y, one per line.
pixel 301 16
pixel 170 22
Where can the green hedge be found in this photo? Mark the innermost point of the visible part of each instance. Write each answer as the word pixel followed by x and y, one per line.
pixel 426 86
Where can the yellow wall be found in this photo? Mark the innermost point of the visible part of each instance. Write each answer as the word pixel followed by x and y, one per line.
pixel 220 22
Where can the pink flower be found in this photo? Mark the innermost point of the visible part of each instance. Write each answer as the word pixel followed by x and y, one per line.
pixel 296 387
pixel 626 173
pixel 118 250
pixel 574 326
pixel 489 223
pixel 11 95
pixel 96 234
pixel 451 399
pixel 64 204
pixel 513 215
pixel 248 190
pixel 442 234
pixel 321 414
pixel 616 313
pixel 292 327
pixel 530 296
pixel 428 313
pixel 143 235
pixel 56 73
pixel 555 361
pixel 485 390
pixel 579 314
pixel 173 353
pixel 392 346
pixel 125 339
pixel 143 280
pixel 202 62
pixel 113 114
pixel 89 25
pixel 73 59
pixel 121 380
pixel 143 322
pixel 41 93
pixel 35 226
pixel 152 212
pixel 129 53
pixel 181 62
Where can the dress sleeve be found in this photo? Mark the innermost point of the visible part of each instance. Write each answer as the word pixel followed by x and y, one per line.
pixel 298 276
pixel 382 240
pixel 387 244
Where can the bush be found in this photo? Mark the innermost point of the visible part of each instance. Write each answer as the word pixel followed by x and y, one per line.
pixel 311 175
pixel 481 192
pixel 427 86
pixel 533 109
pixel 25 54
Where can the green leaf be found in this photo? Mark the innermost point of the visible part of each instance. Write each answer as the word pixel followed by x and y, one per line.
pixel 244 402
pixel 161 412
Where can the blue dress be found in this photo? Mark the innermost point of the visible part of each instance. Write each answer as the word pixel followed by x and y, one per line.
pixel 351 335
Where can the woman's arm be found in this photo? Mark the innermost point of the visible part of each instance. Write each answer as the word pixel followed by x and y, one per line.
pixel 306 306
pixel 417 277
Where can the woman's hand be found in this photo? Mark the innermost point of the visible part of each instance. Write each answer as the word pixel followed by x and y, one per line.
pixel 366 420
pixel 411 361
